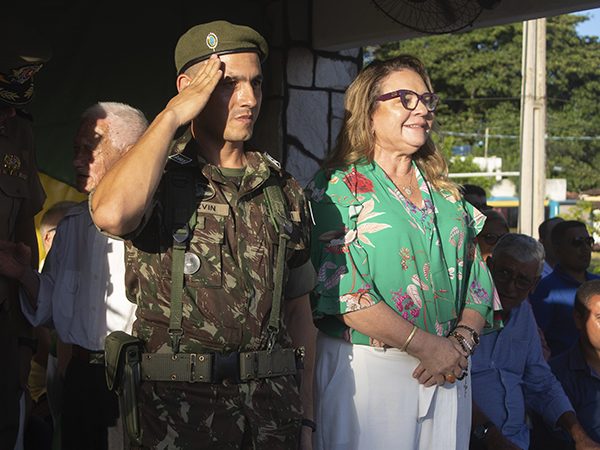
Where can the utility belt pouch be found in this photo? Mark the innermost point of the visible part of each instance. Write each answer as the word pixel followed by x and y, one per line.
pixel 115 349
pixel 123 354
pixel 265 364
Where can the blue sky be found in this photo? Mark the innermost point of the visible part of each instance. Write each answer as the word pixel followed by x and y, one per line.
pixel 590 27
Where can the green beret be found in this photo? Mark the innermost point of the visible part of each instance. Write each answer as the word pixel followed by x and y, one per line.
pixel 218 37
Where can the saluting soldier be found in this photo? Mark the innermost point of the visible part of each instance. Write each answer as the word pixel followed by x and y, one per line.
pixel 218 259
pixel 22 54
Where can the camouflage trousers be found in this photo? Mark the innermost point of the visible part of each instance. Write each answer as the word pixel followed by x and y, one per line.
pixel 264 414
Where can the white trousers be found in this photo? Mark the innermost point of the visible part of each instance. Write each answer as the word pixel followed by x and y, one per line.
pixel 366 399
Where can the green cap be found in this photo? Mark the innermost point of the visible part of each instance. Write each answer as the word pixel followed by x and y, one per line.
pixel 218 37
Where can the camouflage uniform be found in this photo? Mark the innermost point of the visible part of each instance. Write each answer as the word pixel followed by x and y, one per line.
pixel 226 307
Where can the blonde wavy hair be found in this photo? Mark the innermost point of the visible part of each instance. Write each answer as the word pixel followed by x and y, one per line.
pixel 356 140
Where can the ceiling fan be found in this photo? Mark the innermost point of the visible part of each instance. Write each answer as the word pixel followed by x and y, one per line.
pixel 434 16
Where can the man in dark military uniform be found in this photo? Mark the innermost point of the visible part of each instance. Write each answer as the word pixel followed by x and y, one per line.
pixel 206 278
pixel 22 54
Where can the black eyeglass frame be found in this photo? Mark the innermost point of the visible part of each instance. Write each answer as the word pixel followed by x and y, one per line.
pixel 490 237
pixel 402 92
pixel 503 277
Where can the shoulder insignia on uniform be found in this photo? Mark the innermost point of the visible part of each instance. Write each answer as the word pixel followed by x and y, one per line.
pixel 273 160
pixel 180 159
pixel 23 113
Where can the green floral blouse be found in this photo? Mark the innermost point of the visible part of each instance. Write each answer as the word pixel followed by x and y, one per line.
pixel 371 244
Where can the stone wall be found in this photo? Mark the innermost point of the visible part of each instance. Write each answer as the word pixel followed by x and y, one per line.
pixel 303 105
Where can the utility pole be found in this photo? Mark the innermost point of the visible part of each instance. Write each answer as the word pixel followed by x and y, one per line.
pixel 532 190
pixel 487 138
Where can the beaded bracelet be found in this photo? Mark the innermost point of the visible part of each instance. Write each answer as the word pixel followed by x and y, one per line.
pixel 463 342
pixel 473 333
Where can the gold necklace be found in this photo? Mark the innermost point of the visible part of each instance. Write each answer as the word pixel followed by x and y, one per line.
pixel 408 189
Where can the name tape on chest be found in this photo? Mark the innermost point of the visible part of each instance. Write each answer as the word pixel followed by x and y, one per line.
pixel 217 209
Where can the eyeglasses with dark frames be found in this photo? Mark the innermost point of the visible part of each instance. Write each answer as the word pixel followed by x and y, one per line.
pixel 491 238
pixel 410 99
pixel 506 276
pixel 578 241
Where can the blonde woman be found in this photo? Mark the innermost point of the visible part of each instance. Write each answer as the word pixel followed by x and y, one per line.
pixel 403 292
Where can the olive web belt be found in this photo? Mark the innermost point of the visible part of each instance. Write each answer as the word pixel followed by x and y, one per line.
pixel 237 367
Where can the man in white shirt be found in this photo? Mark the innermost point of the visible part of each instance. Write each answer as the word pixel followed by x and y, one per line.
pixel 81 292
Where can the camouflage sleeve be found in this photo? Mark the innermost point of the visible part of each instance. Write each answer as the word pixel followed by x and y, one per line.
pixel 299 207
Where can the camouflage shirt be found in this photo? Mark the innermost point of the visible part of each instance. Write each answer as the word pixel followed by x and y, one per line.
pixel 227 302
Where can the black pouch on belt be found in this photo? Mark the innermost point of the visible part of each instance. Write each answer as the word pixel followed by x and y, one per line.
pixel 123 354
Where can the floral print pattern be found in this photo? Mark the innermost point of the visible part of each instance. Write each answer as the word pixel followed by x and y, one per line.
pixel 371 244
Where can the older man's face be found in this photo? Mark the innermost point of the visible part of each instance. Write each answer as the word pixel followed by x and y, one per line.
pixel 94 154
pixel 514 280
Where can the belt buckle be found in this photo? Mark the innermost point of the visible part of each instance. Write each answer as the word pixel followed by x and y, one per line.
pixel 227 367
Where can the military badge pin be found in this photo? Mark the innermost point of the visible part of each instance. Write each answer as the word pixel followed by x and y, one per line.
pixel 12 162
pixel 212 41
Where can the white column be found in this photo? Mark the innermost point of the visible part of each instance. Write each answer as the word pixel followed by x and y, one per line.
pixel 533 127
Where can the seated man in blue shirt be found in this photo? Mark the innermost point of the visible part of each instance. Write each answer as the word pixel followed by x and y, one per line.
pixel 509 372
pixel 554 297
pixel 578 368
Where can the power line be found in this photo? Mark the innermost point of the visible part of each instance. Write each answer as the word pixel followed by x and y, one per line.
pixel 506 136
pixel 483 99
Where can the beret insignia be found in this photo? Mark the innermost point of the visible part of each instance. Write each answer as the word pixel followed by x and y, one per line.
pixel 212 41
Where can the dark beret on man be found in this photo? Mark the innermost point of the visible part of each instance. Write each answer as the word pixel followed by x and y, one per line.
pixel 219 37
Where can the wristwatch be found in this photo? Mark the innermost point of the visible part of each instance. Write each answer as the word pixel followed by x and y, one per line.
pixel 473 334
pixel 480 431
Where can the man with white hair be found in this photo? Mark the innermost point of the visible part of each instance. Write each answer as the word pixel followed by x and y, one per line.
pixel 82 293
pixel 509 372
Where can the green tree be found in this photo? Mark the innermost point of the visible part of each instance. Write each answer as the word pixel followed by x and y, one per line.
pixel 478 76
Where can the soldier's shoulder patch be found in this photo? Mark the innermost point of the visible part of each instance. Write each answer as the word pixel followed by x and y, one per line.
pixel 272 160
pixel 180 158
